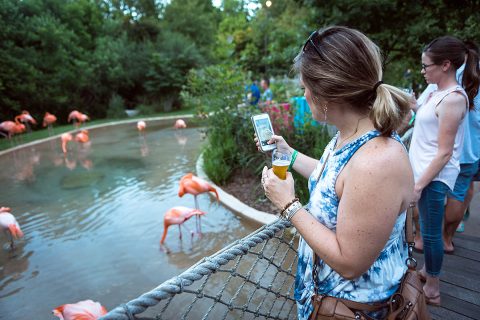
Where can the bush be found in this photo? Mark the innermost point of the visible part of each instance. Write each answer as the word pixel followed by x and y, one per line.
pixel 217 93
pixel 116 107
pixel 145 109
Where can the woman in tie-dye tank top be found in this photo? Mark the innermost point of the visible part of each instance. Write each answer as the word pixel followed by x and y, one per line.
pixel 362 185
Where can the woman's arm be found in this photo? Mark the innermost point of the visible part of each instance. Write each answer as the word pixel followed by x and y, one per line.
pixel 450 113
pixel 377 186
pixel 304 165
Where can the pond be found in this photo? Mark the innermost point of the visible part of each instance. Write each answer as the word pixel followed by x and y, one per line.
pixel 93 220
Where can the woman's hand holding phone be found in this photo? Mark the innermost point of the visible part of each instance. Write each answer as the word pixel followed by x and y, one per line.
pixel 282 145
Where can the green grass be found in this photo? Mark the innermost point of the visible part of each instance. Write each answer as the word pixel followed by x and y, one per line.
pixel 43 133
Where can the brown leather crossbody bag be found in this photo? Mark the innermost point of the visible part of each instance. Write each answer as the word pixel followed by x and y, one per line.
pixel 408 303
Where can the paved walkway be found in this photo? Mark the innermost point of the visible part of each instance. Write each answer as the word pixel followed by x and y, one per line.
pixel 460 279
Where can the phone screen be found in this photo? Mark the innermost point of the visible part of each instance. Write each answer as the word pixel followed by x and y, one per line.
pixel 265 131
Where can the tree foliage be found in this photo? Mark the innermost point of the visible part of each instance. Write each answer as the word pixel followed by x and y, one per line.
pixel 60 55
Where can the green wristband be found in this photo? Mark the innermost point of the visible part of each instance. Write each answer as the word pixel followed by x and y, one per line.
pixel 294 157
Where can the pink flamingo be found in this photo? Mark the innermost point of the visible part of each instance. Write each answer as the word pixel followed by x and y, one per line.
pixel 65 138
pixel 141 125
pixel 12 128
pixel 82 136
pixel 25 117
pixel 82 310
pixel 178 215
pixel 180 124
pixel 10 225
pixel 48 120
pixel 77 117
pixel 194 185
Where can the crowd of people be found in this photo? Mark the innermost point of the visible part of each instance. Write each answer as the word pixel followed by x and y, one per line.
pixel 366 174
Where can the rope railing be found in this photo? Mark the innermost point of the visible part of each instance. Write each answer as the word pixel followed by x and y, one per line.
pixel 252 277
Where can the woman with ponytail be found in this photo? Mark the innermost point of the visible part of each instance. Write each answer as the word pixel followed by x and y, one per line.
pixel 351 228
pixel 437 143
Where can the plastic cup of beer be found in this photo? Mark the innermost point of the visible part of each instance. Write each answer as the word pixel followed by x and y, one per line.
pixel 280 163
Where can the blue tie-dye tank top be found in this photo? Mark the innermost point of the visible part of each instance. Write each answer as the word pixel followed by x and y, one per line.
pixel 383 277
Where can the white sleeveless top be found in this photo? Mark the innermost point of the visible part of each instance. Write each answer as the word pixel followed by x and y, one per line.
pixel 424 145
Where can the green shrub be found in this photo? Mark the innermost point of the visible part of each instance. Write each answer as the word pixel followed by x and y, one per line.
pixel 145 109
pixel 116 107
pixel 217 93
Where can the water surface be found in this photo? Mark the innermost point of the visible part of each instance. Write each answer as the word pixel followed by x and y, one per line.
pixel 93 220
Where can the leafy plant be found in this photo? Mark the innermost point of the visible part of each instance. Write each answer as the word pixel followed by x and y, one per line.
pixel 116 107
pixel 217 91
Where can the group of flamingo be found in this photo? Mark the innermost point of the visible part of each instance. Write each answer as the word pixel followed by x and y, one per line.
pixel 88 309
pixel 178 215
pixel 19 125
pixel 23 121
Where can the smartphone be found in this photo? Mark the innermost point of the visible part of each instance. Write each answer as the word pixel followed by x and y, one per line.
pixel 264 130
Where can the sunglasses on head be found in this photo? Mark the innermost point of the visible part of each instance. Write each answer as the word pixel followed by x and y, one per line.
pixel 311 40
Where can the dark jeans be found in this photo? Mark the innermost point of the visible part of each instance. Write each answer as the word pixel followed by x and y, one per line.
pixel 432 208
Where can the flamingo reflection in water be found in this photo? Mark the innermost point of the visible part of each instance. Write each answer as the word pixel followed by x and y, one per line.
pixel 141 126
pixel 181 139
pixel 9 225
pixel 82 310
pixel 25 163
pixel 83 150
pixel 178 215
pixel 194 185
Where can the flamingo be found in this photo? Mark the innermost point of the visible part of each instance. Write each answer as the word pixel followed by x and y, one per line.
pixel 25 117
pixel 77 117
pixel 10 225
pixel 12 128
pixel 178 215
pixel 180 124
pixel 195 186
pixel 82 310
pixel 48 120
pixel 141 125
pixel 66 138
pixel 82 136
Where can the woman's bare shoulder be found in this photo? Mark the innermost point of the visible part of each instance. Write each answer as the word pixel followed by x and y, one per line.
pixel 383 155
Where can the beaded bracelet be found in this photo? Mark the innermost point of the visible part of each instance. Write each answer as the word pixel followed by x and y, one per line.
pixel 294 157
pixel 289 204
pixel 291 210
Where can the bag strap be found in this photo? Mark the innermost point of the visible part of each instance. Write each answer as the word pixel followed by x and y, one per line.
pixel 409 237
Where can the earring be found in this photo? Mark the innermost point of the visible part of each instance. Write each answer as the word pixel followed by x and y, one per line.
pixel 325 109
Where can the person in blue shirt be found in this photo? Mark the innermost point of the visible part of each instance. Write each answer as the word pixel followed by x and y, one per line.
pixel 267 95
pixel 253 93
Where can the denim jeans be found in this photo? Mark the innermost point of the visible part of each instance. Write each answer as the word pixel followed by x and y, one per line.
pixel 432 208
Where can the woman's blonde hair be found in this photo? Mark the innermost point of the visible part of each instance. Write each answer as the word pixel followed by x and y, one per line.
pixel 342 65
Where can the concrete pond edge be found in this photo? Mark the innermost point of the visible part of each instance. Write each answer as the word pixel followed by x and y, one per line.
pixel 165 119
pixel 232 203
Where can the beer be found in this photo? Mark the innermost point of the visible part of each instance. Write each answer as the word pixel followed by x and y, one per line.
pixel 280 168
